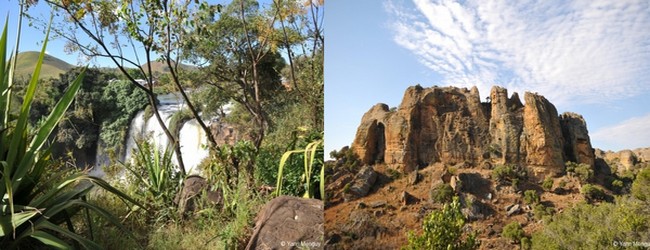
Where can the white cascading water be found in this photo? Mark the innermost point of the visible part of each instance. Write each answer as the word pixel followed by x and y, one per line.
pixel 193 140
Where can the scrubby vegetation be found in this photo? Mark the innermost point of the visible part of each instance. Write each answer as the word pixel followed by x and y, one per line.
pixel 442 193
pixel 443 230
pixel 511 174
pixel 513 232
pixel 587 226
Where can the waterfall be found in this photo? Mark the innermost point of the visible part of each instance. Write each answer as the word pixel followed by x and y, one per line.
pixel 193 146
pixel 192 138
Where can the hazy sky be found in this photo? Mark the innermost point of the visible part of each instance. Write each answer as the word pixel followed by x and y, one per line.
pixel 588 57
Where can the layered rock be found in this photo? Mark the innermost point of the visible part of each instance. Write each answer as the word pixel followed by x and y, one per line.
pixel 451 125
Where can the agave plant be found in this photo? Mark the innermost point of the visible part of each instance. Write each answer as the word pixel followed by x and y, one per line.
pixel 32 208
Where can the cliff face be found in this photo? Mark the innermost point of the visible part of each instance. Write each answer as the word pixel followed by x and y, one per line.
pixel 452 125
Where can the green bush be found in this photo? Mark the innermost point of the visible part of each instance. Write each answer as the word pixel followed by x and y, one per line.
pixel 504 174
pixel 542 211
pixel 526 244
pixel 592 193
pixel 443 230
pixel 583 171
pixel 442 193
pixel 587 226
pixel 547 184
pixel 513 231
pixel 531 197
pixel 641 185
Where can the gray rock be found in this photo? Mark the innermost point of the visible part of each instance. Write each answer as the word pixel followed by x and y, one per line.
pixel 377 204
pixel 364 181
pixel 513 210
pixel 414 177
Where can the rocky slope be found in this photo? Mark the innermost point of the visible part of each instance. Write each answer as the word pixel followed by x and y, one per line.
pixel 451 125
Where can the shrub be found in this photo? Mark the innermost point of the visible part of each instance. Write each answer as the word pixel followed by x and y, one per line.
pixel 442 193
pixel 508 174
pixel 547 184
pixel 526 244
pixel 587 226
pixel 531 197
pixel 443 230
pixel 641 185
pixel 542 211
pixel 513 231
pixel 592 192
pixel 583 171
pixel 617 185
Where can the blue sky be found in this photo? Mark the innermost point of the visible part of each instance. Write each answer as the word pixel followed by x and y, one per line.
pixel 588 57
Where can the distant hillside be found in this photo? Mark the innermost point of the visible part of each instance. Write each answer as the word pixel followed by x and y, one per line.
pixel 52 66
pixel 161 68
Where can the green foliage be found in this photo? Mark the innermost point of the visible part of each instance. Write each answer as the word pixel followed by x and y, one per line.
pixel 641 185
pixel 513 232
pixel 509 174
pixel 35 203
pixel 548 184
pixel 526 244
pixel 531 197
pixel 443 230
pixel 616 185
pixel 592 192
pixel 153 180
pixel 542 211
pixel 311 165
pixel 584 172
pixel 346 157
pixel 587 226
pixel 120 102
pixel 442 193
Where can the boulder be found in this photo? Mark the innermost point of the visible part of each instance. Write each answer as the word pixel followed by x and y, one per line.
pixel 363 181
pixel 473 208
pixel 288 222
pixel 193 187
pixel 513 209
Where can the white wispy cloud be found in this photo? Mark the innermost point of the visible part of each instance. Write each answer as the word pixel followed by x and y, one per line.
pixel 630 134
pixel 573 52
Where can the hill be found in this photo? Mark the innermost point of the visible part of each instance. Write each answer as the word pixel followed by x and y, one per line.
pixel 52 66
pixel 161 68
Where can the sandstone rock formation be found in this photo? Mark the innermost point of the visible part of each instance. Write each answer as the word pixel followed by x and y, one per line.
pixel 288 222
pixel 451 125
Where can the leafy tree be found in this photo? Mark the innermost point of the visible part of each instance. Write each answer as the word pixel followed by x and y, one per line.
pixel 443 230
pixel 641 185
